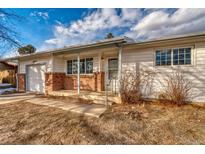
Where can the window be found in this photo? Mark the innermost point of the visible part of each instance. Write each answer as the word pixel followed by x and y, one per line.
pixel 182 56
pixel 163 57
pixel 86 66
pixel 69 67
pixel 89 65
pixel 82 66
pixel 178 56
pixel 75 67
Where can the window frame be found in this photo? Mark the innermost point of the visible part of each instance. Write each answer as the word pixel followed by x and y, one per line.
pixel 191 56
pixel 86 65
pixel 67 67
pixel 66 62
pixel 160 50
pixel 172 49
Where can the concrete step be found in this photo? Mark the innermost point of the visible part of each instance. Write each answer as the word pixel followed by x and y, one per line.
pixel 95 97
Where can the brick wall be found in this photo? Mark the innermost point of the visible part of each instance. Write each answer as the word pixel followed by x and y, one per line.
pixel 100 81
pixel 87 82
pixel 21 82
pixel 59 81
pixel 54 81
pixel 93 82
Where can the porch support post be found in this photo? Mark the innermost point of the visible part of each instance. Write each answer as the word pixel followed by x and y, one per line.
pixel 99 62
pixel 119 66
pixel 78 59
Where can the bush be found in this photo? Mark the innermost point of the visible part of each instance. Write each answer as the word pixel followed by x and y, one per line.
pixel 132 86
pixel 178 89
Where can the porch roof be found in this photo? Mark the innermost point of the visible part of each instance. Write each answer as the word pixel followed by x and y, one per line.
pixel 105 42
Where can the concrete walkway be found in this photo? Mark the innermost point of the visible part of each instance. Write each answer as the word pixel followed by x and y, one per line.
pixel 87 109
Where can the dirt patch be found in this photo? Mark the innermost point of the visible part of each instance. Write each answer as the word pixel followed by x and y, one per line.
pixel 151 123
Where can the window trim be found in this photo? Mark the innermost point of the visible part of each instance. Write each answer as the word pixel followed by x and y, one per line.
pixel 72 69
pixel 160 53
pixel 172 48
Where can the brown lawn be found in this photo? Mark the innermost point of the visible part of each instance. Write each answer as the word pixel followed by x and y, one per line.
pixel 25 123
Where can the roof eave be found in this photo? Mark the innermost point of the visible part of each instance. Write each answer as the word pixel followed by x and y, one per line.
pixel 72 48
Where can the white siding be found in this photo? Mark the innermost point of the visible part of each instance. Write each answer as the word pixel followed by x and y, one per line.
pixel 54 64
pixel 58 64
pixel 47 61
pixel 136 59
pixel 95 64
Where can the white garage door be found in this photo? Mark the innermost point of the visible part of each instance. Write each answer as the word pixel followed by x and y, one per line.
pixel 36 78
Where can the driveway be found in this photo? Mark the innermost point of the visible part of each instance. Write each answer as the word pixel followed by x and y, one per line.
pixel 87 109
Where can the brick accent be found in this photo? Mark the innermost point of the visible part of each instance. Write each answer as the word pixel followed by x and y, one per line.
pixel 54 81
pixel 93 82
pixel 21 82
pixel 100 81
pixel 87 82
pixel 59 81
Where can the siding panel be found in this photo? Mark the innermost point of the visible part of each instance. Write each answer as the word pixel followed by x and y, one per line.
pixel 47 61
pixel 136 59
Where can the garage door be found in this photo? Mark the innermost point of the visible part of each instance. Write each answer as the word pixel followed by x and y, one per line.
pixel 36 78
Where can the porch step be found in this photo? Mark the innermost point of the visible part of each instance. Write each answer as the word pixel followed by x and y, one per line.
pixel 95 97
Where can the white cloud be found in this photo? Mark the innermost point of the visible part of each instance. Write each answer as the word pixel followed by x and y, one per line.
pixel 161 23
pixel 89 28
pixel 43 15
pixel 152 23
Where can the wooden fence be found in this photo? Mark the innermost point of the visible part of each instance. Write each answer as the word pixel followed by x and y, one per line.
pixel 8 76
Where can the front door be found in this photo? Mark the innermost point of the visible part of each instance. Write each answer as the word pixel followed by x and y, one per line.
pixel 112 75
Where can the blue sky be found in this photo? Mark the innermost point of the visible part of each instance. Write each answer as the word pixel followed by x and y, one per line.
pixel 54 28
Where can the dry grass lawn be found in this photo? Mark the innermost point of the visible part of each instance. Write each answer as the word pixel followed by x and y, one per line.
pixel 25 123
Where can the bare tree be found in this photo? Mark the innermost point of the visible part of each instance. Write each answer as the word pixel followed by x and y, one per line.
pixel 136 86
pixel 8 35
pixel 178 89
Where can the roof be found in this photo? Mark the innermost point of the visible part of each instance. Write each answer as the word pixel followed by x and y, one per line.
pixel 123 40
pixel 104 42
pixel 173 37
pixel 11 64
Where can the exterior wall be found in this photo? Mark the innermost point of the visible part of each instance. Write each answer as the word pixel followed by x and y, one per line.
pixel 21 82
pixel 93 82
pixel 58 64
pixel 100 81
pixel 87 82
pixel 54 81
pixel 47 61
pixel 22 69
pixel 136 59
pixel 56 78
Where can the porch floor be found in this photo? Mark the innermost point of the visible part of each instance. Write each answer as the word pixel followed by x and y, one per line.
pixel 95 97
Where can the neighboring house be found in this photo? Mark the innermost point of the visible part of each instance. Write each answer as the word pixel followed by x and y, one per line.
pixel 8 72
pixel 108 59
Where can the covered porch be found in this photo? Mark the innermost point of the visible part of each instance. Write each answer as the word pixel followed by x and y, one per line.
pixel 87 73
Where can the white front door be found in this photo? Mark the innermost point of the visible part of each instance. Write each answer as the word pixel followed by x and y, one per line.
pixel 36 78
pixel 112 74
